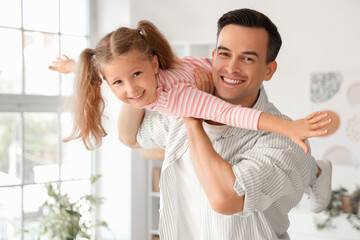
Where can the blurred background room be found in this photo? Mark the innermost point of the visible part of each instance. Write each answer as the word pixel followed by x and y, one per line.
pixel 318 69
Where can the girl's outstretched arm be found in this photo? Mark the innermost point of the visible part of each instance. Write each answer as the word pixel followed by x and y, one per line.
pixel 298 130
pixel 63 65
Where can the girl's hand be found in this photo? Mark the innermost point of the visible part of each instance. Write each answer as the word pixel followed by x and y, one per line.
pixel 66 65
pixel 308 127
pixel 204 81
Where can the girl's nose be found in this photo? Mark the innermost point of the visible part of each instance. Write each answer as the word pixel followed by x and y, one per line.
pixel 131 88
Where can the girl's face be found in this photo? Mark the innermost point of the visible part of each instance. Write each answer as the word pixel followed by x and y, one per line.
pixel 132 78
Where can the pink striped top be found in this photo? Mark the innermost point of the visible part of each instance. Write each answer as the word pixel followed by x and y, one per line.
pixel 179 96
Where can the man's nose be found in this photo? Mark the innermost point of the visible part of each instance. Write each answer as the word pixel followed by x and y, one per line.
pixel 233 66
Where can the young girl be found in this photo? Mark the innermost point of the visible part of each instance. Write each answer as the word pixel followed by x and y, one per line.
pixel 141 70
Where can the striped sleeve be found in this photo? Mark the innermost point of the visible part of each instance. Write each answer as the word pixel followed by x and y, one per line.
pixel 188 101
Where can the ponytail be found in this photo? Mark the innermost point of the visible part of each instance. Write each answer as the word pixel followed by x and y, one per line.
pixel 160 46
pixel 87 103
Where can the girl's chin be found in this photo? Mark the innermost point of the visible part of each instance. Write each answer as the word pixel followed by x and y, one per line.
pixel 138 105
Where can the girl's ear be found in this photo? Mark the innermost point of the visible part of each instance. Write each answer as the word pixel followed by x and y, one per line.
pixel 271 69
pixel 156 64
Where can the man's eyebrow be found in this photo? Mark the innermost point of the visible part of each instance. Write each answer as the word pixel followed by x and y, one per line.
pixel 251 53
pixel 222 48
pixel 245 53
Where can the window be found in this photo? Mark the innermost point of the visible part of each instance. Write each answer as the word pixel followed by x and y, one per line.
pixel 32 123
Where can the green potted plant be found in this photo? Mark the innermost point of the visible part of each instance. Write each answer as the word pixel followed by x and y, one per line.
pixel 342 202
pixel 354 217
pixel 66 220
pixel 334 209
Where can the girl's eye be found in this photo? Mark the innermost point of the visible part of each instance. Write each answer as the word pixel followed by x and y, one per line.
pixel 117 82
pixel 136 74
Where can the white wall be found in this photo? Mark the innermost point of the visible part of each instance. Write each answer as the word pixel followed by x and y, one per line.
pixel 109 14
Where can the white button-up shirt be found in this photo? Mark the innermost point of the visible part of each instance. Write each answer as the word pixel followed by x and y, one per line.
pixel 271 170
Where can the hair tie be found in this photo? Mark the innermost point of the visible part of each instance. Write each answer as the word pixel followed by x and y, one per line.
pixel 141 32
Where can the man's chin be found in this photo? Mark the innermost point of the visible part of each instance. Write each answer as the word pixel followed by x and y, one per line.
pixel 227 96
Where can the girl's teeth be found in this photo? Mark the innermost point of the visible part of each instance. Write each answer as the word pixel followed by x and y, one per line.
pixel 228 80
pixel 138 95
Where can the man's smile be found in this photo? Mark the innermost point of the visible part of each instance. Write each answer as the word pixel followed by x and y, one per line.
pixel 231 81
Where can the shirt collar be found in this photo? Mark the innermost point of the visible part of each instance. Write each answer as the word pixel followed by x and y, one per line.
pixel 262 101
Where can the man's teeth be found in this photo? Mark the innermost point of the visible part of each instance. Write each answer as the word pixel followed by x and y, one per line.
pixel 138 95
pixel 232 81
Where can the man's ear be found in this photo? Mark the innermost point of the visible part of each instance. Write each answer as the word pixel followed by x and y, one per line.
pixel 156 64
pixel 213 54
pixel 270 70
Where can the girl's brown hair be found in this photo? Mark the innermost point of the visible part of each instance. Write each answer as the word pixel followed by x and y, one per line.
pixel 88 103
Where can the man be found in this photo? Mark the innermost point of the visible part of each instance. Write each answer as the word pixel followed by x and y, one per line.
pixel 220 182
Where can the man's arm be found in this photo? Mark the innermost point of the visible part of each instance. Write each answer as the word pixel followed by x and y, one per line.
pixel 214 173
pixel 129 121
pixel 272 168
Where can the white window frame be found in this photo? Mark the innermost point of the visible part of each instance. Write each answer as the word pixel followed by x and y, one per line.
pixel 23 103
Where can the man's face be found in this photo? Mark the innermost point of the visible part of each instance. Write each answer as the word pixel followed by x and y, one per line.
pixel 239 64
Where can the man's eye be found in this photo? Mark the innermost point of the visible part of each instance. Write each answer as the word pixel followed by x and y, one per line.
pixel 223 54
pixel 248 59
pixel 136 74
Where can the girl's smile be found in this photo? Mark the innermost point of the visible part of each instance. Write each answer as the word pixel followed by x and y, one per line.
pixel 139 97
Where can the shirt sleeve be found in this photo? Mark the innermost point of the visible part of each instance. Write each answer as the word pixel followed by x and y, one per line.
pixel 153 130
pixel 273 168
pixel 188 101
